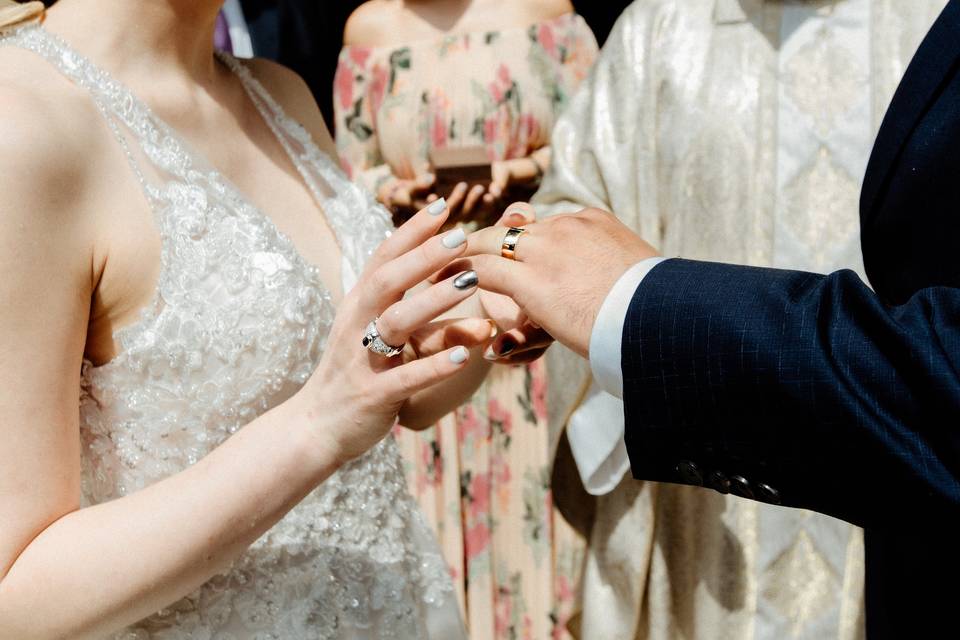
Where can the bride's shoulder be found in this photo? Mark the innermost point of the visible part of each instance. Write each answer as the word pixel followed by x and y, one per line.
pixel 293 94
pixel 47 144
pixel 39 117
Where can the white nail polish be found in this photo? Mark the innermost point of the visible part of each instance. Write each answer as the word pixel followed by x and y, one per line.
pixel 454 239
pixel 437 207
pixel 459 355
pixel 490 355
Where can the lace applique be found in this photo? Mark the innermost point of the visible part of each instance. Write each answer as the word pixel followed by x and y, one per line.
pixel 238 324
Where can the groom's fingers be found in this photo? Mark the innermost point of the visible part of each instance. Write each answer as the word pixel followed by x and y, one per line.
pixel 496 274
pixel 515 343
pixel 489 241
pixel 518 214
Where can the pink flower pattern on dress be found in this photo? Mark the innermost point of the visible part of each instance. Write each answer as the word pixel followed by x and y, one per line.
pixel 547 39
pixel 343 87
pixel 482 477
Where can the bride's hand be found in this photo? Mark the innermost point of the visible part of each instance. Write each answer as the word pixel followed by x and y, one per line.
pixel 355 395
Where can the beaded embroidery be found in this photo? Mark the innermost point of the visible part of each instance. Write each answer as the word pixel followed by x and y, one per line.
pixel 237 324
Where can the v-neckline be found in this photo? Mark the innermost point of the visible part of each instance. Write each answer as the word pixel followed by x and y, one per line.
pixel 199 161
pixel 99 82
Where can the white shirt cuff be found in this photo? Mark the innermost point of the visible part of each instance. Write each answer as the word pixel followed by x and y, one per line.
pixel 595 433
pixel 607 336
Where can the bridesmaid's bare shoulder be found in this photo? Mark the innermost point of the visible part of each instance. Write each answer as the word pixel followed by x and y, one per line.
pixel 547 9
pixel 372 23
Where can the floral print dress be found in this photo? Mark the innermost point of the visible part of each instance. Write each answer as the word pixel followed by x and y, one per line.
pixel 482 475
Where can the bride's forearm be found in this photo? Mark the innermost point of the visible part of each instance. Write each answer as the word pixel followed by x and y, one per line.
pixel 99 569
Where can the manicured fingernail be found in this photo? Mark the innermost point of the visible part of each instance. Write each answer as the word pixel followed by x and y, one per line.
pixel 490 355
pixel 454 239
pixel 467 280
pixel 507 346
pixel 437 207
pixel 459 355
pixel 494 329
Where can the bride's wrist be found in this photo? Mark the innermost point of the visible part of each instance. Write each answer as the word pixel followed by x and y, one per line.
pixel 312 433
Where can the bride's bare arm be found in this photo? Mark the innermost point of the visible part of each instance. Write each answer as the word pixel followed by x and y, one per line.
pixel 84 573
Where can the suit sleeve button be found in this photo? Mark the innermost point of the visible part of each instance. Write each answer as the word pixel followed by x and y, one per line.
pixel 767 493
pixel 689 473
pixel 718 481
pixel 740 487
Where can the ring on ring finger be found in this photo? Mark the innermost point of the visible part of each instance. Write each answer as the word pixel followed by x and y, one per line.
pixel 373 342
pixel 510 241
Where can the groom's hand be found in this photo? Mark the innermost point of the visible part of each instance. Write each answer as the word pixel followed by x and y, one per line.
pixel 564 268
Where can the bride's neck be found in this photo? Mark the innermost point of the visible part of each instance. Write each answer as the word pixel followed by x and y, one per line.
pixel 173 36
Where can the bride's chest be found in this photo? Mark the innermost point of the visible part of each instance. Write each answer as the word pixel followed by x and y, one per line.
pixel 201 232
pixel 236 323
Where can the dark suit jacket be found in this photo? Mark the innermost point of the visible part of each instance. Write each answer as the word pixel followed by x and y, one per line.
pixel 813 391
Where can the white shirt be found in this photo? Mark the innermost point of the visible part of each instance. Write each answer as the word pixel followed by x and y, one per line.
pixel 817 172
pixel 596 429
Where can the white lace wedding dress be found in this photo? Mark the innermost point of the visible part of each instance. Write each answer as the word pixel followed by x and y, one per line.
pixel 237 324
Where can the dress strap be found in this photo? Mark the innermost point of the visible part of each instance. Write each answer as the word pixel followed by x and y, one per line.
pixel 316 167
pixel 114 102
pixel 340 199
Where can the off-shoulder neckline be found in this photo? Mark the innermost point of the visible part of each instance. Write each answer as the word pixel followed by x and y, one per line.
pixel 445 37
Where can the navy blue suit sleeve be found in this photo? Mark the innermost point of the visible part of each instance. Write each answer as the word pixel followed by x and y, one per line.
pixel 806 384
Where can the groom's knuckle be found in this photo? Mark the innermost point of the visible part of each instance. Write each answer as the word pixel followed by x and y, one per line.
pixel 562 224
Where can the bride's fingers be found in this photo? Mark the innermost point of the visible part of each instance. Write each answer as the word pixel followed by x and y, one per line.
pixel 407 379
pixel 412 233
pixel 390 281
pixel 444 334
pixel 404 317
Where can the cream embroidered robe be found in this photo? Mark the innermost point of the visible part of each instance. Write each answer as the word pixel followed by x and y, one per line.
pixel 737 131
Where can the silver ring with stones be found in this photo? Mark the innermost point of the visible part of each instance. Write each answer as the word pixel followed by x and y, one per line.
pixel 373 342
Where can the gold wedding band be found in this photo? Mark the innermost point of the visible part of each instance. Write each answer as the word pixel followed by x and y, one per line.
pixel 509 247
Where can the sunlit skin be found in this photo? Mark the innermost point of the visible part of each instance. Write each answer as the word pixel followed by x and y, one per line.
pixel 80 256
